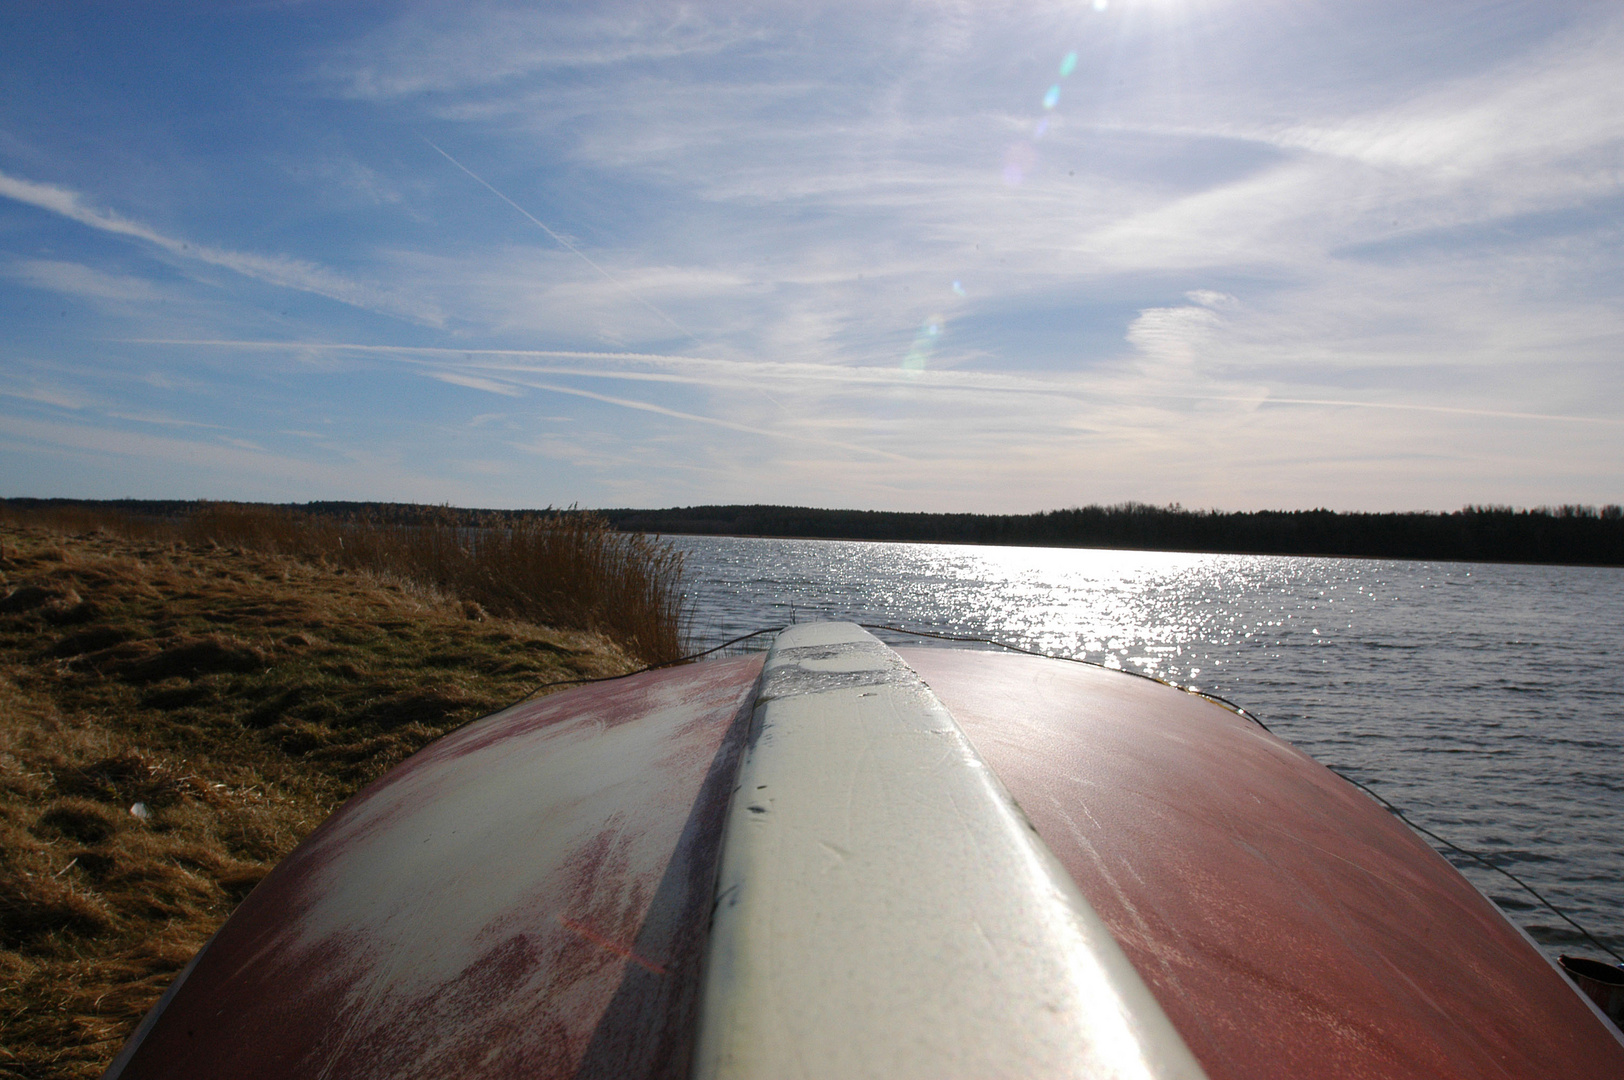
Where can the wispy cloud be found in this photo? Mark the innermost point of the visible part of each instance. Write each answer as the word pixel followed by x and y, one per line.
pixel 46 394
pixel 277 270
pixel 1171 340
pixel 485 44
pixel 1556 104
pixel 161 420
pixel 712 421
pixel 473 382
pixel 1308 257
pixel 916 189
pixel 77 279
pixel 343 178
pixel 198 458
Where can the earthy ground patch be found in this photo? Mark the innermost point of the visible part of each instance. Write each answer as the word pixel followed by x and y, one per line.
pixel 173 719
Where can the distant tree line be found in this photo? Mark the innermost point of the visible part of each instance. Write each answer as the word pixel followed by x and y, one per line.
pixel 1565 534
pixel 1582 535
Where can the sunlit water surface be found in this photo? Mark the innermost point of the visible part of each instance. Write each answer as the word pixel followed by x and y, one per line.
pixel 1485 700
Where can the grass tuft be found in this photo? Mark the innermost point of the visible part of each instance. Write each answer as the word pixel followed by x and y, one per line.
pixel 179 707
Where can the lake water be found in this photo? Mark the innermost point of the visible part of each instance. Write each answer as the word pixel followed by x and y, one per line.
pixel 1487 701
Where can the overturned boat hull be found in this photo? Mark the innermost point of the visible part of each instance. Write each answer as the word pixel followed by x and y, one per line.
pixel 839 860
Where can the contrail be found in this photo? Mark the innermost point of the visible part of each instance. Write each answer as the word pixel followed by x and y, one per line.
pixel 1451 409
pixel 276 270
pixel 643 406
pixel 542 225
pixel 964 382
pixel 624 403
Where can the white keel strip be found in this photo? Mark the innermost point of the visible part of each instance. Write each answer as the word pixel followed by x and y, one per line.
pixel 885 910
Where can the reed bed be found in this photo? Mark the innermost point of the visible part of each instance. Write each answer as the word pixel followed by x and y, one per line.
pixel 569 570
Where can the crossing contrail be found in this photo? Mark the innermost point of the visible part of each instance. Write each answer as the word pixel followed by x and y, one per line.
pixel 542 225
pixel 733 375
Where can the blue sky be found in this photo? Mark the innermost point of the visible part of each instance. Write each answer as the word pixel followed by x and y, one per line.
pixel 979 256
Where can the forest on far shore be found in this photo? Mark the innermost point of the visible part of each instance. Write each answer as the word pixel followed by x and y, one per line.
pixel 1579 535
pixel 1583 535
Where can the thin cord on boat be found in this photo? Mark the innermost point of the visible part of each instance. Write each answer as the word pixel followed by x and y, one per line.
pixel 1396 812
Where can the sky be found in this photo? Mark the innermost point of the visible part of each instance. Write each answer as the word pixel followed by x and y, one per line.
pixel 990 257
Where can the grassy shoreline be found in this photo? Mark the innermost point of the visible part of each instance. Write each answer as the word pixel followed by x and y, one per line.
pixel 174 717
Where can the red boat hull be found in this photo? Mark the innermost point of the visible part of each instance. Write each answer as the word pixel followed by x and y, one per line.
pixel 531 896
pixel 1288 925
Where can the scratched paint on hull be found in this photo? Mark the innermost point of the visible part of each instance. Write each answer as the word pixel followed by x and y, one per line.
pixel 1289 926
pixel 526 897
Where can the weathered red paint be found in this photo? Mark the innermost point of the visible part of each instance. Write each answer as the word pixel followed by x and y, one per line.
pixel 1289 926
pixel 587 963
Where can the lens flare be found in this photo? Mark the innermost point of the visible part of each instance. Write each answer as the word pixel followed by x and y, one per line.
pixel 1018 161
pixel 924 344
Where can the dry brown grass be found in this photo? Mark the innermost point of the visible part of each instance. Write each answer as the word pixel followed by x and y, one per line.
pixel 236 696
pixel 570 570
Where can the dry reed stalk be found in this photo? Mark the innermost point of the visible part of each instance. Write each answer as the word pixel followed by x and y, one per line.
pixel 570 570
